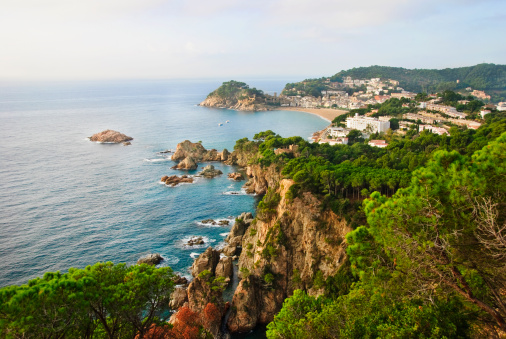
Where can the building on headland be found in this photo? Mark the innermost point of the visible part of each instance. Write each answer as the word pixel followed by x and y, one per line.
pixel 433 129
pixel 501 106
pixel 416 117
pixel 362 123
pixel 404 94
pixel 338 132
pixel 378 143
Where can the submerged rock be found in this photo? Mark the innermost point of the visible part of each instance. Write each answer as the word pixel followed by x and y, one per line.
pixel 196 241
pixel 175 180
pixel 110 136
pixel 150 259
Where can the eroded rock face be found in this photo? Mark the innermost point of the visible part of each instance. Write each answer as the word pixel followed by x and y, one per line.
pixel 188 164
pixel 235 176
pixel 178 298
pixel 175 180
pixel 210 172
pixel 245 307
pixel 225 268
pixel 234 238
pixel 110 136
pixel 206 261
pixel 150 259
pixel 301 241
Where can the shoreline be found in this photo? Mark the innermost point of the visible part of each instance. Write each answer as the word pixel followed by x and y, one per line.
pixel 327 114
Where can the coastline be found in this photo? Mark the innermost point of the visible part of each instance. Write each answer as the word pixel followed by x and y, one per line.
pixel 325 113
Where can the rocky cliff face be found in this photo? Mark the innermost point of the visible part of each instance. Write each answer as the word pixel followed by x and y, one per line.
pixel 247 104
pixel 297 247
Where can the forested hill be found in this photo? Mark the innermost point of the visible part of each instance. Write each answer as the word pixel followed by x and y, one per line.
pixel 488 77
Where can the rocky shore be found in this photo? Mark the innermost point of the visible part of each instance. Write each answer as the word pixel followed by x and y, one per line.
pixel 189 154
pixel 279 252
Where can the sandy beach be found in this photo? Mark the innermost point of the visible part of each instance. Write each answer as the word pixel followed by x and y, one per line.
pixel 326 113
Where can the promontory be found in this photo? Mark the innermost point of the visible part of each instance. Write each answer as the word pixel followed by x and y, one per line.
pixel 238 96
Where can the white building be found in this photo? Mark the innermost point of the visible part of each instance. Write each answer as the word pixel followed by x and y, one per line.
pixel 501 106
pixel 433 129
pixel 484 112
pixel 332 142
pixel 362 123
pixel 338 132
pixel 378 143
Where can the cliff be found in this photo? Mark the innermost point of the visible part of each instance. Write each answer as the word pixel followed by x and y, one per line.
pixel 291 244
pixel 238 96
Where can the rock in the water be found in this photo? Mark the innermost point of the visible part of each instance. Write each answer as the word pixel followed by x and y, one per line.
pixel 150 259
pixel 236 176
pixel 223 222
pixel 179 280
pixel 128 143
pixel 178 298
pixel 196 241
pixel 206 261
pixel 209 221
pixel 187 149
pixel 188 163
pixel 175 180
pixel 210 172
pixel 225 268
pixel 110 136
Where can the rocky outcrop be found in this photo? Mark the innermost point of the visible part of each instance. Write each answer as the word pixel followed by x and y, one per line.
pixel 210 172
pixel 189 154
pixel 234 238
pixel 195 241
pixel 178 298
pixel 261 178
pixel 110 136
pixel 225 269
pixel 175 180
pixel 207 261
pixel 223 222
pixel 150 259
pixel 187 164
pixel 284 252
pixel 235 176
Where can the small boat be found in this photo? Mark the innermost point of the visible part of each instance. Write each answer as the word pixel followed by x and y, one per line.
pixel 220 124
pixel 227 121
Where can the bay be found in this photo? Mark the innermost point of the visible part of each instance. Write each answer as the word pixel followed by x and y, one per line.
pixel 67 202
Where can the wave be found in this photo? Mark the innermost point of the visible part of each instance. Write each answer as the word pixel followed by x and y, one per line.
pixel 194 255
pixel 224 234
pixel 157 160
pixel 241 192
pixel 231 221
pixel 183 243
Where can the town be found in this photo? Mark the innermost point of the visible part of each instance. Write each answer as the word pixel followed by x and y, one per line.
pixel 364 99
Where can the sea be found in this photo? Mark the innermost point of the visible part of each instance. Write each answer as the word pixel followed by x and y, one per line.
pixel 68 202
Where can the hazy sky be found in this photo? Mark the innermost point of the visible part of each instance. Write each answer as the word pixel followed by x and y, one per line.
pixel 110 39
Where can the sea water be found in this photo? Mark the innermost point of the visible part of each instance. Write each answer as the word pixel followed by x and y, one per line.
pixel 68 202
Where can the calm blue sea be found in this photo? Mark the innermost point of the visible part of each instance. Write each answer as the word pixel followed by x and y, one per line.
pixel 67 202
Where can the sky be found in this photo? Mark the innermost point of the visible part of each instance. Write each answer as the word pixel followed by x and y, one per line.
pixel 174 39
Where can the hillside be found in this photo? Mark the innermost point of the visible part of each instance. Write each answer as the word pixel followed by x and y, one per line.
pixel 488 77
pixel 236 95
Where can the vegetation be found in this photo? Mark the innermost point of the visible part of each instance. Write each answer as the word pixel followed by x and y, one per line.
pixel 429 259
pixel 103 300
pixel 488 77
pixel 236 90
